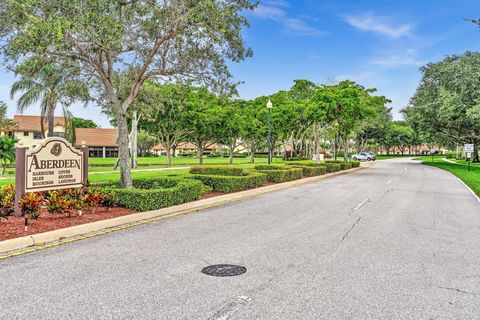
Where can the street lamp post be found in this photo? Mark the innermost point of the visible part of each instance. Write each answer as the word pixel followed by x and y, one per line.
pixel 269 107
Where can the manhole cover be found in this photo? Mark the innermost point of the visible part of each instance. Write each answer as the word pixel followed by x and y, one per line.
pixel 224 270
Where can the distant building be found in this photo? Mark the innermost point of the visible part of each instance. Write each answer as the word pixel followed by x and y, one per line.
pixel 28 130
pixel 102 143
pixel 184 147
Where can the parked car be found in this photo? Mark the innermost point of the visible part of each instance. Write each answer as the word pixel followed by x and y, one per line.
pixel 368 156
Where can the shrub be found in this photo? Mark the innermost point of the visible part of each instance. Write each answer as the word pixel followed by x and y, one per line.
pixel 281 175
pixel 7 201
pixel 355 164
pixel 332 167
pixel 221 170
pixel 56 203
pixel 225 183
pixel 345 165
pixel 157 193
pixel 270 167
pixel 30 204
pixel 451 154
pixel 311 171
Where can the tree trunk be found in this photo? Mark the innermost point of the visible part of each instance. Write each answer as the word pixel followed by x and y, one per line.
pixel 200 154
pixel 230 157
pixel 345 151
pixel 169 156
pixel 174 150
pixel 50 118
pixel 123 152
pixel 134 139
pixel 317 145
pixel 252 153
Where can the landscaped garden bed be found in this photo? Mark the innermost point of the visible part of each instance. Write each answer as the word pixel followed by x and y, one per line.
pixel 52 210
pixel 13 227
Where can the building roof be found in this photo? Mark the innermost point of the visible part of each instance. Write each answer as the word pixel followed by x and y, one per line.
pixel 96 137
pixel 32 123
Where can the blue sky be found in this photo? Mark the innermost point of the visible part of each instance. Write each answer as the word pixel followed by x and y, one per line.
pixel 378 43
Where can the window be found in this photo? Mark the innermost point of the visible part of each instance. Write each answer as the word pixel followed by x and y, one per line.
pixel 26 133
pixel 95 152
pixel 58 134
pixel 111 152
pixel 37 135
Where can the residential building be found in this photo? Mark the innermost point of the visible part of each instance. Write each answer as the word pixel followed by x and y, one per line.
pixel 102 142
pixel 28 130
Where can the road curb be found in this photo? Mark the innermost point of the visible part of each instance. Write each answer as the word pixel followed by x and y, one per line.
pixel 18 246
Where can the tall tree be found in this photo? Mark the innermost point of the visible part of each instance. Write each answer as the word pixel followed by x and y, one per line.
pixel 202 119
pixel 233 124
pixel 46 83
pixel 445 107
pixel 162 110
pixel 145 39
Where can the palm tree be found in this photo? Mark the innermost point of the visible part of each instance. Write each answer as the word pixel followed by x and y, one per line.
pixel 47 83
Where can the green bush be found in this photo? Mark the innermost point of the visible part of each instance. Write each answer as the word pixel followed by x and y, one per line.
pixel 332 167
pixel 355 164
pixel 270 167
pixel 303 163
pixel 345 165
pixel 220 170
pixel 225 183
pixel 281 175
pixel 151 194
pixel 451 154
pixel 310 170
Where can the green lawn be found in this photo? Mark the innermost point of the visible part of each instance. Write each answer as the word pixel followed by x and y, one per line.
pixel 472 178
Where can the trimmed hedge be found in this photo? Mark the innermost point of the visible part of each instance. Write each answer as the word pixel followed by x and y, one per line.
pixel 345 165
pixel 225 183
pixel 220 170
pixel 281 175
pixel 355 164
pixel 151 194
pixel 270 167
pixel 311 171
pixel 332 167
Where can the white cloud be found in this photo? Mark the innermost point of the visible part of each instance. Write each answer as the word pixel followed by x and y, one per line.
pixel 408 57
pixel 275 10
pixel 369 22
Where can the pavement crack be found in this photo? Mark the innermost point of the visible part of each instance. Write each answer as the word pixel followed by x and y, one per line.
pixel 351 229
pixel 457 290
pixel 231 308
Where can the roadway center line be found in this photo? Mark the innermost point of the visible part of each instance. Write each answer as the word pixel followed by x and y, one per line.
pixel 361 204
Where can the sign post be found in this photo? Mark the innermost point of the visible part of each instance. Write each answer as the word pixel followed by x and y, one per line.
pixel 54 164
pixel 469 149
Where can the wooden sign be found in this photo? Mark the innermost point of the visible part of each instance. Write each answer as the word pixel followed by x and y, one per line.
pixel 54 164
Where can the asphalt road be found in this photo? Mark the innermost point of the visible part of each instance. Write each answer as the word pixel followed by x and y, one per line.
pixel 398 241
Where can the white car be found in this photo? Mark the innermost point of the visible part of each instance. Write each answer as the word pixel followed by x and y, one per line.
pixel 368 156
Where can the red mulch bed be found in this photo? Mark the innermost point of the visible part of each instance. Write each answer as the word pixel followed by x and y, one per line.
pixel 13 227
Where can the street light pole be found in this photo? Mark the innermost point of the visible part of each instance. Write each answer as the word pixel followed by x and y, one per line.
pixel 269 107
